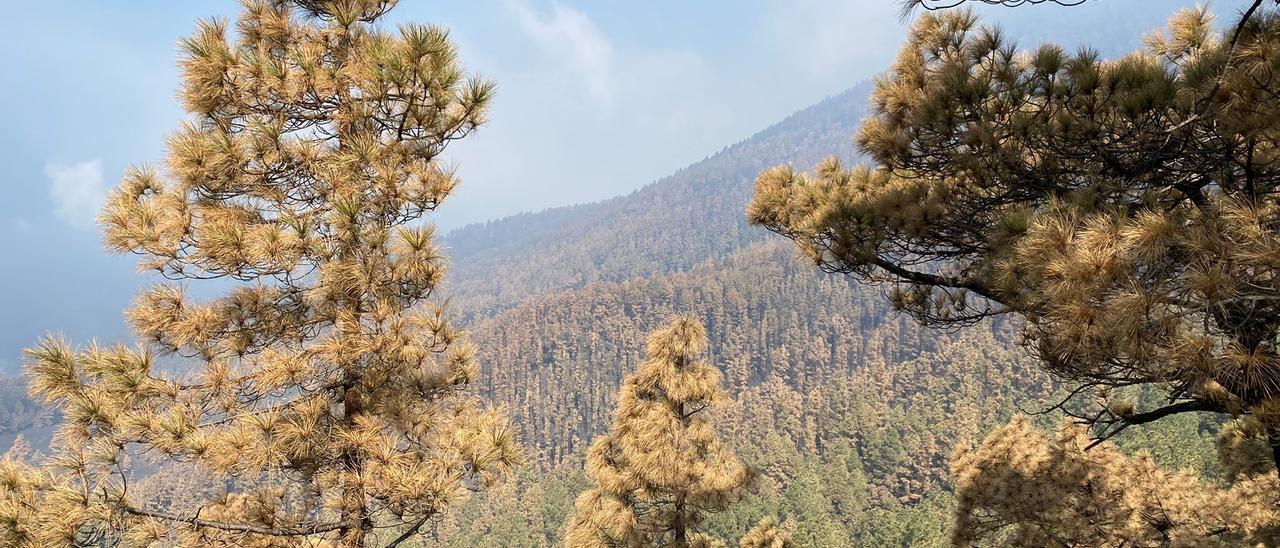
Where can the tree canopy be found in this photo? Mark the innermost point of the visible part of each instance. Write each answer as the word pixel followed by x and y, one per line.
pixel 1020 488
pixel 326 388
pixel 660 468
pixel 1127 209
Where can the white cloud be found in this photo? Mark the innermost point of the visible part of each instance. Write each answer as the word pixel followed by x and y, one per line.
pixel 77 190
pixel 573 39
pixel 855 38
pixel 21 225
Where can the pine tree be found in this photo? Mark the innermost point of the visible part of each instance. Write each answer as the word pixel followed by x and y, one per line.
pixel 20 451
pixel 326 381
pixel 1128 210
pixel 766 534
pixel 660 468
pixel 1020 488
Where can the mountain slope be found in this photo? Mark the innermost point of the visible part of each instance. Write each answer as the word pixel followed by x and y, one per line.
pixel 557 359
pixel 849 411
pixel 668 226
pixel 821 374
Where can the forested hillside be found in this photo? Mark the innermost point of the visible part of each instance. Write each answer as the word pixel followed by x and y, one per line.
pixel 849 410
pixel 671 225
pixel 558 358
pixel 1002 295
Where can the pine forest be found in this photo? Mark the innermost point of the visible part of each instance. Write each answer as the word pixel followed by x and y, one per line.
pixel 1013 285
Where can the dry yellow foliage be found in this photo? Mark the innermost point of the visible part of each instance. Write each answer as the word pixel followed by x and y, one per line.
pixel 660 468
pixel 1020 488
pixel 1128 210
pixel 325 382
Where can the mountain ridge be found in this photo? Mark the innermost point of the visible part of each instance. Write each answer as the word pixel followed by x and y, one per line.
pixel 668 225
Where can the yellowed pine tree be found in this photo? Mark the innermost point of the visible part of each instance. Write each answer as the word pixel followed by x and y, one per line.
pixel 1126 209
pixel 20 451
pixel 767 534
pixel 326 382
pixel 660 468
pixel 1020 488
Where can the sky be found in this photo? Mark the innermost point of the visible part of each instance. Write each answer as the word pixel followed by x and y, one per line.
pixel 595 99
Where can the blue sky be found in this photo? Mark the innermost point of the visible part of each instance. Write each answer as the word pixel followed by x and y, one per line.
pixel 595 99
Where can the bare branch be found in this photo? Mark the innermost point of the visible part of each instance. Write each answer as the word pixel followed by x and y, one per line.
pixel 411 531
pixel 1117 423
pixel 245 528
pixel 909 6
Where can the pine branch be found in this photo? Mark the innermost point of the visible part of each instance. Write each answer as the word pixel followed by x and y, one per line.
pixel 909 6
pixel 1231 52
pixel 412 530
pixel 1115 424
pixel 924 278
pixel 244 528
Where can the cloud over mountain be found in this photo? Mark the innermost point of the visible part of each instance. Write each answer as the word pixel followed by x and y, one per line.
pixel 77 191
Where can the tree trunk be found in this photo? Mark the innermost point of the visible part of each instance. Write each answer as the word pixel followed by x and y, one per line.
pixel 353 508
pixel 1273 439
pixel 354 536
pixel 682 539
pixel 682 536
